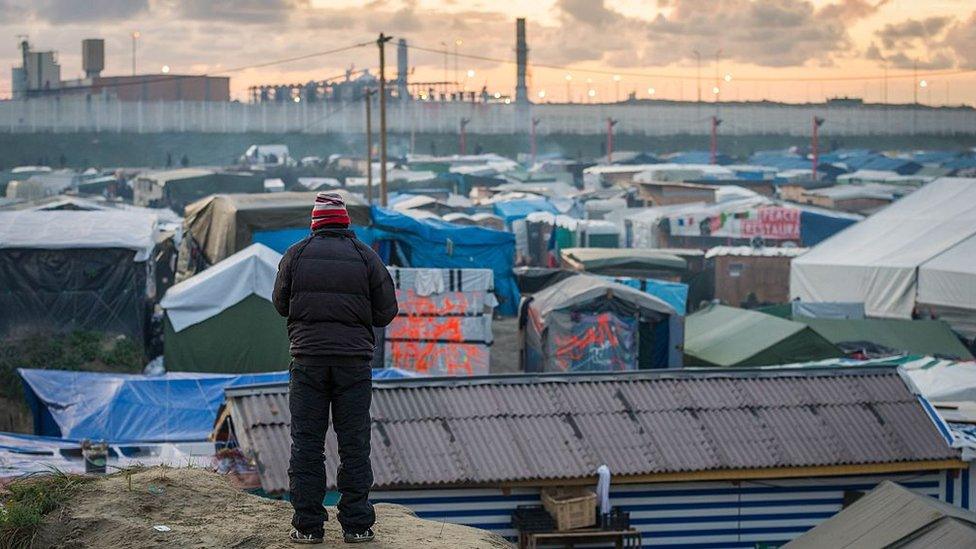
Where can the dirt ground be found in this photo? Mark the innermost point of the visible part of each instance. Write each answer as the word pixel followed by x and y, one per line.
pixel 202 509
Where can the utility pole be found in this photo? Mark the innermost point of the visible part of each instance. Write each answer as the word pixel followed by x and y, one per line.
pixel 535 122
pixel 716 121
pixel 610 124
pixel 369 146
pixel 462 145
pixel 381 43
pixel 815 145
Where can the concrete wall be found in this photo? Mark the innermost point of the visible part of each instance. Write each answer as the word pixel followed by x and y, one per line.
pixel 69 114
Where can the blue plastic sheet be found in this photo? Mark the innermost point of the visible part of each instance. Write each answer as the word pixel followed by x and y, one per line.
pixel 674 294
pixel 174 407
pixel 514 210
pixel 443 245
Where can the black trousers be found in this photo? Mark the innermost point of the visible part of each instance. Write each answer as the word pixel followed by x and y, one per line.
pixel 345 387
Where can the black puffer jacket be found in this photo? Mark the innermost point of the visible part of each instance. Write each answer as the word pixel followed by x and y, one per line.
pixel 333 289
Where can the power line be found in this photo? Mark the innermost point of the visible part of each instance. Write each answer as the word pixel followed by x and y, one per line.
pixel 690 77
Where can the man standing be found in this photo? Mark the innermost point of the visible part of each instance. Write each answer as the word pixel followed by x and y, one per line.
pixel 334 289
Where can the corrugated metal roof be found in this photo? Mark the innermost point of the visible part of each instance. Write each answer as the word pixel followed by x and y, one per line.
pixel 497 429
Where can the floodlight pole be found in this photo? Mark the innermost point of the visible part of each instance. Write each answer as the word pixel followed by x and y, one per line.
pixel 815 146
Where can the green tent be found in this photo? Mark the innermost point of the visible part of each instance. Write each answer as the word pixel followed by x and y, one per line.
pixel 727 336
pixel 919 337
pixel 222 319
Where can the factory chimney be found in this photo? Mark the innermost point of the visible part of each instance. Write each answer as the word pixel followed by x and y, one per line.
pixel 92 56
pixel 403 67
pixel 521 58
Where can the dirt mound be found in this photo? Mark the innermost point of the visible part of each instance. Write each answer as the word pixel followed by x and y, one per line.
pixel 202 509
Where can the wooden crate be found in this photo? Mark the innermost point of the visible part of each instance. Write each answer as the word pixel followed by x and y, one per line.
pixel 571 507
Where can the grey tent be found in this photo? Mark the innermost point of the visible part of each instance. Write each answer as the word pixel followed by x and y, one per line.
pixel 586 323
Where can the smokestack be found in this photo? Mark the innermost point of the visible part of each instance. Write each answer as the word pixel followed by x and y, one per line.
pixel 521 58
pixel 403 67
pixel 92 56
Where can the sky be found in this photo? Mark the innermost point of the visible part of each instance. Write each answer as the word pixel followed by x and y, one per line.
pixel 587 50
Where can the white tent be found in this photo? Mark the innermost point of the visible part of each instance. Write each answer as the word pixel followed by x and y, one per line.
pixel 249 271
pixel 918 250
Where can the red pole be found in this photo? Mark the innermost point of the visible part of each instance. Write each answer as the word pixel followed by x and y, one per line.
pixel 713 149
pixel 610 124
pixel 815 146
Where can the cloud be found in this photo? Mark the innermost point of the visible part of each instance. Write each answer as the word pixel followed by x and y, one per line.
pixel 907 33
pixel 774 33
pixel 238 11
pixel 932 43
pixel 589 12
pixel 961 39
pixel 72 11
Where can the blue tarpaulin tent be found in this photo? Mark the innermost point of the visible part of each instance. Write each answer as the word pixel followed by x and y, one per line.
pixel 674 294
pixel 174 407
pixel 443 245
pixel 514 210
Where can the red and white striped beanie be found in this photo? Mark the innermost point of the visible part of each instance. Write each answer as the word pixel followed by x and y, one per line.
pixel 329 209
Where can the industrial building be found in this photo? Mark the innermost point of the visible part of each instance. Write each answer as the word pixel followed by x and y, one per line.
pixel 40 76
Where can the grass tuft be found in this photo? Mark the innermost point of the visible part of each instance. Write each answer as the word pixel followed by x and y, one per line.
pixel 27 500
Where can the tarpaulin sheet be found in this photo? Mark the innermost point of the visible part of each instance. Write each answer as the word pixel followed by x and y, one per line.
pixel 584 342
pixel 435 243
pixel 518 209
pixel 438 358
pixel 128 407
pixel 64 230
pixel 674 294
pixel 73 289
pixel 249 271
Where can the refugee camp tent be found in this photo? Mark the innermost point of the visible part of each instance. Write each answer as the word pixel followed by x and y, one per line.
pixel 588 323
pixel 220 225
pixel 639 263
pixel 879 261
pixel 222 320
pixel 920 337
pixel 947 287
pixel 177 188
pixel 725 336
pixel 76 270
pixel 436 243
pixel 176 406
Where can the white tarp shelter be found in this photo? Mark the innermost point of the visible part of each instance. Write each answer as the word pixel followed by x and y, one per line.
pixel 67 229
pixel 916 252
pixel 249 271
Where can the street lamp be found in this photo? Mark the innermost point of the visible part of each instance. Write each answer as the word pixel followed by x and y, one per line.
pixel 651 91
pixel 728 77
pixel 165 69
pixel 135 36
pixel 470 73
pixel 542 94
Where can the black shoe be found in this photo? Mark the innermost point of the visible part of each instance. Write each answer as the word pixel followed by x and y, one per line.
pixel 306 539
pixel 358 537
